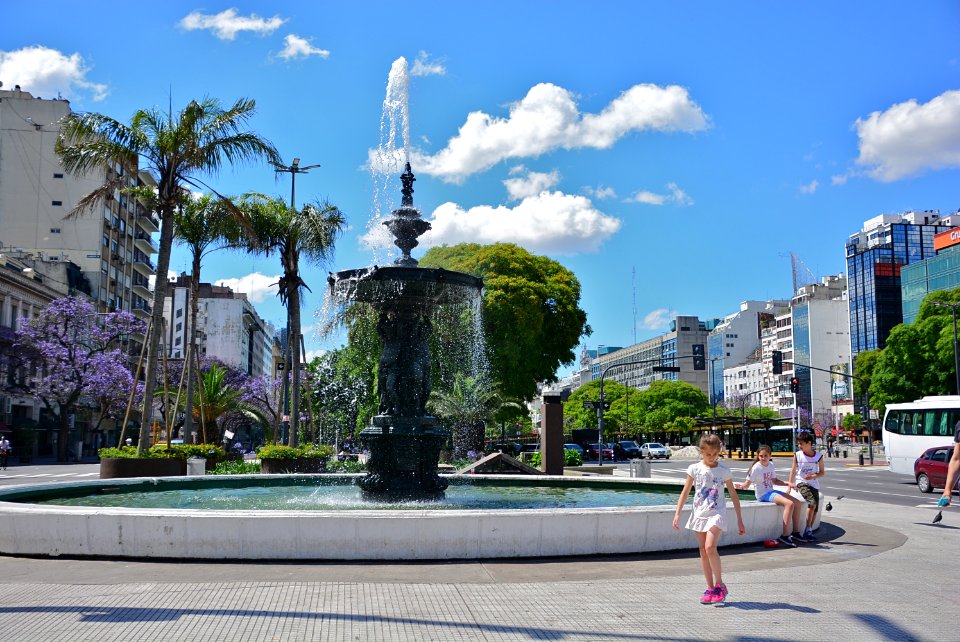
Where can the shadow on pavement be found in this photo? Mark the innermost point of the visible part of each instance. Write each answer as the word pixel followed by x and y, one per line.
pixel 885 628
pixel 769 606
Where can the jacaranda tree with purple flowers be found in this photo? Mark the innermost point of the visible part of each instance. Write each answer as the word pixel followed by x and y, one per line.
pixel 79 357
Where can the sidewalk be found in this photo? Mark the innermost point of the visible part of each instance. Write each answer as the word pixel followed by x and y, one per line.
pixel 874 577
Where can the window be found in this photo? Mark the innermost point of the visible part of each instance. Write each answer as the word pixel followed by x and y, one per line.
pixel 179 312
pixel 54 230
pixel 56 203
pixel 57 175
pixel 179 327
pixel 177 342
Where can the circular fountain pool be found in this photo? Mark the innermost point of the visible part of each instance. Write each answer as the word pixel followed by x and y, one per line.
pixel 33 522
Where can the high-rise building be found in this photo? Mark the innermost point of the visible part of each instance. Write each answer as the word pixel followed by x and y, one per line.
pixel 734 339
pixel 663 350
pixel 940 272
pixel 875 256
pixel 228 327
pixel 109 248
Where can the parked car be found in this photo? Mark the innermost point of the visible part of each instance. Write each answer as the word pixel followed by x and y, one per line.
pixel 626 450
pixel 576 447
pixel 653 450
pixel 591 450
pixel 930 468
pixel 530 448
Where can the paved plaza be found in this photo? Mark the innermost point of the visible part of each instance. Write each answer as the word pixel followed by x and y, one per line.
pixel 882 573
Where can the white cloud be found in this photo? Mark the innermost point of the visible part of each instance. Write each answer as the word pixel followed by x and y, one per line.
pixel 548 118
pixel 676 196
pixel 909 138
pixel 839 179
pixel 47 72
pixel 424 66
pixel 648 198
pixel 550 222
pixel 313 354
pixel 227 24
pixel 658 319
pixel 531 184
pixel 600 192
pixel 810 187
pixel 256 286
pixel 297 47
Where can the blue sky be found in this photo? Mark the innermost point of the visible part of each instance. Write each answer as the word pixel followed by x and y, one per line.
pixel 694 144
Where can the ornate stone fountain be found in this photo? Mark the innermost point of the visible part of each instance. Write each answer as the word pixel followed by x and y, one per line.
pixel 404 441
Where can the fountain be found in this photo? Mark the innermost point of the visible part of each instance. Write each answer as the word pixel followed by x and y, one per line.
pixel 403 440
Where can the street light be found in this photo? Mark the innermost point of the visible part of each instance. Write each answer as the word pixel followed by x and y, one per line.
pixel 956 360
pixel 293 169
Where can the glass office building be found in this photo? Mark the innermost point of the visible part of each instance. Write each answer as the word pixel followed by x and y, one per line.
pixel 940 272
pixel 875 257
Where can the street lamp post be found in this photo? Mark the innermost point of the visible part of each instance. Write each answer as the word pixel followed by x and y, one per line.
pixel 956 359
pixel 293 169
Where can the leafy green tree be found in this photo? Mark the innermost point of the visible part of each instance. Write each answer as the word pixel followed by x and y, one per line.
pixel 576 416
pixel 852 422
pixel 176 150
pixel 311 233
pixel 531 311
pixel 219 398
pixel 665 402
pixel 863 367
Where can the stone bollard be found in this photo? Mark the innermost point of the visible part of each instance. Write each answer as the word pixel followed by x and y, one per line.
pixel 640 468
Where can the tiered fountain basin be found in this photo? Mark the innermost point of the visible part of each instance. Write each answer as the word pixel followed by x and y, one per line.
pixel 30 524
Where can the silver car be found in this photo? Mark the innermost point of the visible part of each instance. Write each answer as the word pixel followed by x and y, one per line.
pixel 653 450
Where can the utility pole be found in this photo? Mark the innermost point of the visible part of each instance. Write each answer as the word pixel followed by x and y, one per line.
pixel 292 419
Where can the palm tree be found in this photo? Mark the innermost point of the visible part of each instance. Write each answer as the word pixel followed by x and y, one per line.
pixel 175 149
pixel 311 233
pixel 470 403
pixel 200 224
pixel 218 398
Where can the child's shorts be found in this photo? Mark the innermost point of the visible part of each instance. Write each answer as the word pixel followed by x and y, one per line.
pixel 770 494
pixel 811 494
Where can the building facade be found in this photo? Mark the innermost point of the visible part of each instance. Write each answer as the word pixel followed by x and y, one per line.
pixel 940 272
pixel 228 327
pixel 875 257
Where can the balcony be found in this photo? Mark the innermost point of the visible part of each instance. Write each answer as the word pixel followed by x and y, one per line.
pixel 144 243
pixel 144 266
pixel 142 289
pixel 142 310
pixel 148 221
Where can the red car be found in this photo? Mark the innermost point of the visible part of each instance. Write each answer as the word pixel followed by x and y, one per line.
pixel 590 450
pixel 930 469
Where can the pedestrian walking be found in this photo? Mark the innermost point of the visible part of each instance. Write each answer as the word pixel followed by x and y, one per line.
pixel 763 475
pixel 4 452
pixel 806 471
pixel 709 477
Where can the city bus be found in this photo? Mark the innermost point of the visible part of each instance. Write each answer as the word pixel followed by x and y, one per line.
pixel 910 428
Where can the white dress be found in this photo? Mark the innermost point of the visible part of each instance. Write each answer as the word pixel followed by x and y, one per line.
pixel 709 503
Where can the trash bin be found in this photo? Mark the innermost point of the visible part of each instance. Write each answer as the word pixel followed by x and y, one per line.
pixel 196 466
pixel 844 453
pixel 861 459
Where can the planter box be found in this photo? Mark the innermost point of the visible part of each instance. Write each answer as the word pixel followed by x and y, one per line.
pixel 113 468
pixel 281 466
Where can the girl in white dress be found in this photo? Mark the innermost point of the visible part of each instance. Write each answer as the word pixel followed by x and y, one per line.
pixel 708 519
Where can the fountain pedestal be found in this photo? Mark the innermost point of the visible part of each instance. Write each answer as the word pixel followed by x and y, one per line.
pixel 403 440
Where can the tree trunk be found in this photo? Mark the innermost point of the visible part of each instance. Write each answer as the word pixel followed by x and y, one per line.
pixel 63 435
pixel 159 296
pixel 294 302
pixel 191 346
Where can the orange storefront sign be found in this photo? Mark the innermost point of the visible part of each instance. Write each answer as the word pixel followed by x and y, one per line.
pixel 946 239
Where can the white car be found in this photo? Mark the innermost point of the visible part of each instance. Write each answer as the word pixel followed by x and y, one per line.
pixel 654 450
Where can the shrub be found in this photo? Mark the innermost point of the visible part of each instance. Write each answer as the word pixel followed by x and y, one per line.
pixel 346 466
pixel 306 451
pixel 572 458
pixel 535 459
pixel 236 467
pixel 160 451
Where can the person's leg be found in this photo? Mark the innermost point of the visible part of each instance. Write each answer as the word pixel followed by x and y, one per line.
pixel 704 559
pixel 797 513
pixel 711 539
pixel 788 507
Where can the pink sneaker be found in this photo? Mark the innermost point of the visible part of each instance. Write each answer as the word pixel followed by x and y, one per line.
pixel 721 592
pixel 709 596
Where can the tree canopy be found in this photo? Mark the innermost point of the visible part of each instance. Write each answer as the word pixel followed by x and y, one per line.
pixel 531 306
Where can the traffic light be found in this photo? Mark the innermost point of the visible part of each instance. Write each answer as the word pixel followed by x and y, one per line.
pixel 699 358
pixel 777 362
pixel 795 385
